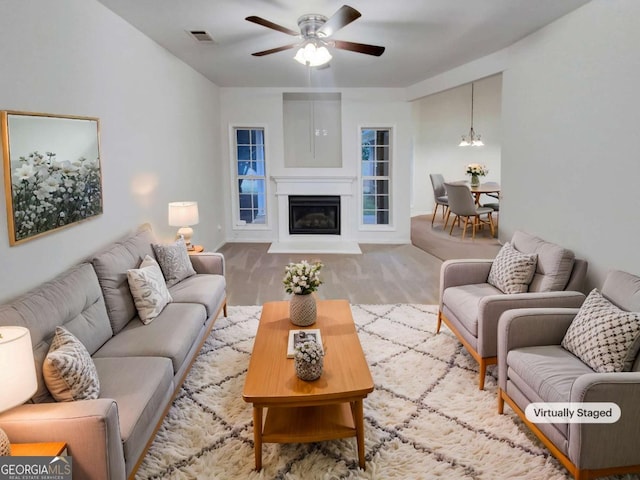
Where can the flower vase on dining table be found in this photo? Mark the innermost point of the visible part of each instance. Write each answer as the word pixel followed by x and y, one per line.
pixel 475 180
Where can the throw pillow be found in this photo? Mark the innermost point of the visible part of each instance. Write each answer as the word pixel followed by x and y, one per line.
pixel 512 271
pixel 604 336
pixel 68 369
pixel 149 290
pixel 174 261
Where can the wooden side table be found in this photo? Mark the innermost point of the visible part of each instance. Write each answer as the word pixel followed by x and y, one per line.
pixel 44 449
pixel 196 249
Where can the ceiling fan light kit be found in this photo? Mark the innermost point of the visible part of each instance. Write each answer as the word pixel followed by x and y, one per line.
pixel 315 31
pixel 313 54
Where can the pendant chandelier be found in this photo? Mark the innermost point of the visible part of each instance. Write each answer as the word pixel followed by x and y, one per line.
pixel 472 139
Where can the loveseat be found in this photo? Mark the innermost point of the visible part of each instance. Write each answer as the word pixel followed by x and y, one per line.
pixel 140 366
pixel 570 356
pixel 527 272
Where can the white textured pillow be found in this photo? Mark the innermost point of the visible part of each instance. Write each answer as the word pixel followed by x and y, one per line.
pixel 149 290
pixel 604 336
pixel 512 271
pixel 68 369
pixel 174 261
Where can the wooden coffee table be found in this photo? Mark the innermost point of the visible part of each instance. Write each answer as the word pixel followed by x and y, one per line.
pixel 299 411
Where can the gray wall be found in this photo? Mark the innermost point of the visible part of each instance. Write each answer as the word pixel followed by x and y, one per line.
pixel 570 162
pixel 159 127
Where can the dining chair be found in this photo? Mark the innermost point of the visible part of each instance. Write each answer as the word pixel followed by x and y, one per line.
pixel 462 205
pixel 439 196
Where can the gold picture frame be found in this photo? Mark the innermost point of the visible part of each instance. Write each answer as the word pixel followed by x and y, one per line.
pixel 52 172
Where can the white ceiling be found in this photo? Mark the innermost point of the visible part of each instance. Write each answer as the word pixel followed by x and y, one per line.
pixel 422 37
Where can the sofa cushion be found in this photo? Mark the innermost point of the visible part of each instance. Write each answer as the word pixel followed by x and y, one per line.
pixel 511 270
pixel 554 266
pixel 74 300
pixel 174 261
pixel 170 335
pixel 207 290
pixel 142 387
pixel 111 268
pixel 466 299
pixel 603 336
pixel 549 370
pixel 149 290
pixel 68 369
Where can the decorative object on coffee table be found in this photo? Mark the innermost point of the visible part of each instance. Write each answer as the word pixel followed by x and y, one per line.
pixel 302 279
pixel 308 360
pixel 300 336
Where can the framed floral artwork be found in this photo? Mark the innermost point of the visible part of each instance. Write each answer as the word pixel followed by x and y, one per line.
pixel 52 172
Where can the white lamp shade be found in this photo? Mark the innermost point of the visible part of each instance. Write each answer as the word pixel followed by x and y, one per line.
pixel 18 380
pixel 183 214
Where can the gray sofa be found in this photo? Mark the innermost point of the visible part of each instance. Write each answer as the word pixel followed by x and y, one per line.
pixel 140 367
pixel 533 366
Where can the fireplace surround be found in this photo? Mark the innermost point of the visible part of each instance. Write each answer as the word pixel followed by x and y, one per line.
pixel 312 184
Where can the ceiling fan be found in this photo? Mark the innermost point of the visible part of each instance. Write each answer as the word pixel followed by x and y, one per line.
pixel 316 32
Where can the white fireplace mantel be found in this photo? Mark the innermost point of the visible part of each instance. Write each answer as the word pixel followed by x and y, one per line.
pixel 310 185
pixel 341 185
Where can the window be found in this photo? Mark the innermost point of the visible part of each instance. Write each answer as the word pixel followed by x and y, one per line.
pixel 376 171
pixel 250 175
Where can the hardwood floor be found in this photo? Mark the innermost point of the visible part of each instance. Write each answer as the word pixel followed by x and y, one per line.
pixel 382 274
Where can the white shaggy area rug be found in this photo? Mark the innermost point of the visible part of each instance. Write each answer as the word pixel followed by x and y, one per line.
pixel 425 419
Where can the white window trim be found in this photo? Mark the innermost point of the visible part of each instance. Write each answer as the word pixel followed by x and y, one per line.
pixel 235 194
pixel 365 227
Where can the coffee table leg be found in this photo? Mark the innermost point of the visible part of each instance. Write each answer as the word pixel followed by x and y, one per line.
pixel 257 435
pixel 358 417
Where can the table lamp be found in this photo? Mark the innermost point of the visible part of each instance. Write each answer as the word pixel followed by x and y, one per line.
pixel 183 215
pixel 18 380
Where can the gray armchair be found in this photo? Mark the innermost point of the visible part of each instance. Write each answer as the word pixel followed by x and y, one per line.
pixel 471 307
pixel 534 367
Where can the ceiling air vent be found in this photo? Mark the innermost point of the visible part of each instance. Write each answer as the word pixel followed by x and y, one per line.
pixel 201 36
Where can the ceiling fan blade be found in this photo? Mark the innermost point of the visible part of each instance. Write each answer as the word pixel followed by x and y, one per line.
pixel 343 17
pixel 359 47
pixel 274 26
pixel 274 50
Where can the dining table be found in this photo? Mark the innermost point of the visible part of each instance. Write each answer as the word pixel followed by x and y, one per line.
pixel 486 188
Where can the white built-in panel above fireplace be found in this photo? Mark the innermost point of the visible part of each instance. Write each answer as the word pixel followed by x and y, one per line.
pixel 339 240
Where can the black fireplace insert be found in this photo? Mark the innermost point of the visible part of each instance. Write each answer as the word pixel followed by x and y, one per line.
pixel 314 214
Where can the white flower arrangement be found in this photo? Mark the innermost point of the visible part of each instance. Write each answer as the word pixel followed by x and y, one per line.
pixel 48 193
pixel 477 169
pixel 302 278
pixel 309 351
